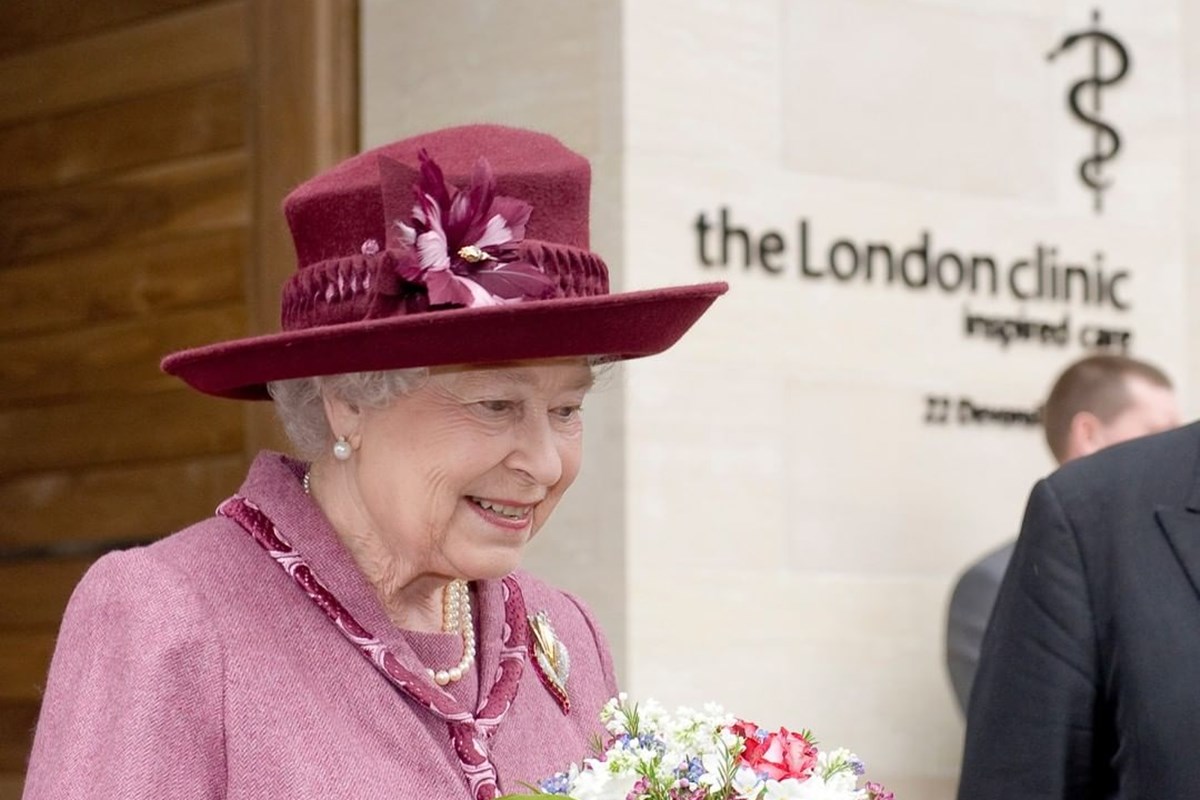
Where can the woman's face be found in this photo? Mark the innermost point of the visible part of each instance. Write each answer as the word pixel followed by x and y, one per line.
pixel 457 476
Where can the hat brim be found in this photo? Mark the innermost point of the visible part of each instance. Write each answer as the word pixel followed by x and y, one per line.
pixel 622 326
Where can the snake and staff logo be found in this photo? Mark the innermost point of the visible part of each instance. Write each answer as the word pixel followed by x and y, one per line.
pixel 1109 66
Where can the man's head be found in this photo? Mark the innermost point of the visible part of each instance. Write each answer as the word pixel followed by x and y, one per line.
pixel 1105 399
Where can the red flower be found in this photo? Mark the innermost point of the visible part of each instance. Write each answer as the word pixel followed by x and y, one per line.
pixel 778 755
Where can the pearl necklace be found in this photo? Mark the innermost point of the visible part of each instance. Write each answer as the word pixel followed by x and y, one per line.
pixel 456 618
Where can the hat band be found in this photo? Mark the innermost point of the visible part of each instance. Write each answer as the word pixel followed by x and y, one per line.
pixel 362 287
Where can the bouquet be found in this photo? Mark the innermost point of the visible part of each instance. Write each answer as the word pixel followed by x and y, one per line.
pixel 705 755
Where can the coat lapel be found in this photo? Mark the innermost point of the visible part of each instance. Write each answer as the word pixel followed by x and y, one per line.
pixel 1182 529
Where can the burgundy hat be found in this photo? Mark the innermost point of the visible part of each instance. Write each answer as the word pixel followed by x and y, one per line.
pixel 463 246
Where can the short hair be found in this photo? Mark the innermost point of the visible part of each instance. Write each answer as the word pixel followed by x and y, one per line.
pixel 300 405
pixel 1096 384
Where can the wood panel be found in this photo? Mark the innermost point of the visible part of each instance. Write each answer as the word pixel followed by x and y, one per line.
pixel 147 154
pixel 64 509
pixel 304 115
pixel 34 593
pixel 106 285
pixel 17 720
pixel 27 24
pixel 24 663
pixel 304 118
pixel 109 359
pixel 175 50
pixel 125 231
pixel 197 194
pixel 12 786
pixel 135 428
pixel 148 129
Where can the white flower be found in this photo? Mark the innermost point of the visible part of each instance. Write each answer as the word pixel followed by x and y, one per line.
pixel 695 731
pixel 728 739
pixel 619 760
pixel 652 717
pixel 837 768
pixel 815 788
pixel 693 748
pixel 611 716
pixel 593 784
pixel 746 783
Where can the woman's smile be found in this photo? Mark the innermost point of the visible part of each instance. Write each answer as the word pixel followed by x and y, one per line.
pixel 456 476
pixel 508 514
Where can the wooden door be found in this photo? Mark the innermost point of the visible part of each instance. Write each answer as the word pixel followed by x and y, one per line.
pixel 138 215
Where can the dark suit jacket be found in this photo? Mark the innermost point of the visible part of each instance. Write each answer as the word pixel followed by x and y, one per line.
pixel 1089 681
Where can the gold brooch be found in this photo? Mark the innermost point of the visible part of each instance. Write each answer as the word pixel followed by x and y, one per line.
pixel 473 255
pixel 550 658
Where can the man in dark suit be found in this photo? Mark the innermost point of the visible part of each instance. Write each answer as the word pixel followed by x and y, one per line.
pixel 1095 402
pixel 1089 680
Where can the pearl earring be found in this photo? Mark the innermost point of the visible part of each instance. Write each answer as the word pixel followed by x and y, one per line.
pixel 342 449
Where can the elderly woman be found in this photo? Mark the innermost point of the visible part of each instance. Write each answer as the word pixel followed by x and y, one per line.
pixel 354 625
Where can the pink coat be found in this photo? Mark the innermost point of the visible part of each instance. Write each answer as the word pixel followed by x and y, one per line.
pixel 197 668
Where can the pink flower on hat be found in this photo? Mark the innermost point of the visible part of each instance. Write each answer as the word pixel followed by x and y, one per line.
pixel 463 243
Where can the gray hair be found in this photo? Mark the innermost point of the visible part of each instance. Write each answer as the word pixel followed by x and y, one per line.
pixel 300 405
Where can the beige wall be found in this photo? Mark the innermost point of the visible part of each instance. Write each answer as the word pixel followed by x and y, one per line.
pixel 1189 20
pixel 765 518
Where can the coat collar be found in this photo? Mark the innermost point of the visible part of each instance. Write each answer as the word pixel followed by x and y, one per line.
pixel 1193 499
pixel 1181 524
pixel 274 484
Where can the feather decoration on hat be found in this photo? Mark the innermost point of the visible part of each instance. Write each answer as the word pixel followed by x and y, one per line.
pixel 462 245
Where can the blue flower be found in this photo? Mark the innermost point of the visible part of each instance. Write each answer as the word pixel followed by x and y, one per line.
pixel 623 741
pixel 558 783
pixel 692 770
pixel 857 765
pixel 650 742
